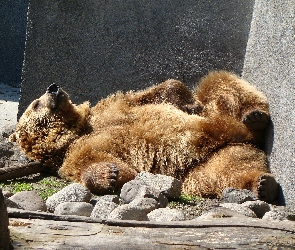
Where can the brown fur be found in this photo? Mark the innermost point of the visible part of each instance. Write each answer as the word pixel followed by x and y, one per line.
pixel 206 138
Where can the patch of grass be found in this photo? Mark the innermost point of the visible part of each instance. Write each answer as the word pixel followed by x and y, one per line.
pixel 44 185
pixel 189 198
pixel 17 186
pixel 185 200
pixel 49 186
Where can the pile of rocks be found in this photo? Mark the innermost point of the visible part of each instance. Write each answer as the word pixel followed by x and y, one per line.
pixel 144 199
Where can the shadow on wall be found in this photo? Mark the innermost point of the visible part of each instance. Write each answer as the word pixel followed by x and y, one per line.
pixel 269 139
pixel 12 36
pixel 268 147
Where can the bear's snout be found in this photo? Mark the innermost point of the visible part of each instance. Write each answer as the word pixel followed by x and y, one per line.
pixel 53 89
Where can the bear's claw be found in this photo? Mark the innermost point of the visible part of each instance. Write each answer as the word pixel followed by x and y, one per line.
pixel 266 188
pixel 113 176
pixel 256 120
pixel 100 178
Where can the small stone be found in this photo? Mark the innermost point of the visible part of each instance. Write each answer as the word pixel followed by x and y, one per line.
pixel 239 209
pixel 167 185
pixel 102 209
pixel 275 215
pixel 133 189
pixel 29 200
pixel 111 198
pixel 258 207
pixel 166 214
pixel 73 193
pixel 232 195
pixel 136 189
pixel 74 208
pixel 7 130
pixel 12 204
pixel 7 194
pixel 136 210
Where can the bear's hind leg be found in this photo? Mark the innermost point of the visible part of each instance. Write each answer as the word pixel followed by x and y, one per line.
pixel 240 166
pixel 266 188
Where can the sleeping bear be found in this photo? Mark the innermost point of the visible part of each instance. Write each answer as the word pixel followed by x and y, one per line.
pixel 209 138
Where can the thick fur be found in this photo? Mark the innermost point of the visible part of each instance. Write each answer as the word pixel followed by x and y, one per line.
pixel 208 138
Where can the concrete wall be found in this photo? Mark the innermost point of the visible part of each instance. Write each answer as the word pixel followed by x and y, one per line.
pixel 269 64
pixel 94 48
pixel 12 36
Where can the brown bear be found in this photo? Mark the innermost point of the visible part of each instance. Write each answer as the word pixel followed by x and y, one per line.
pixel 208 138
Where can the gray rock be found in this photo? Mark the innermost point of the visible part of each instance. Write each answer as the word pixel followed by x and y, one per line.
pixel 232 195
pixel 169 186
pixel 7 194
pixel 103 208
pixel 133 189
pixel 110 198
pixel 135 210
pixel 12 204
pixel 275 215
pixel 7 130
pixel 239 209
pixel 166 214
pixel 73 193
pixel 146 204
pixel 258 207
pixel 29 200
pixel 74 208
pixel 4 231
pixel 137 189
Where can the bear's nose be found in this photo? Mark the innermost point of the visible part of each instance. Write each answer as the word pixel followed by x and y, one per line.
pixel 53 89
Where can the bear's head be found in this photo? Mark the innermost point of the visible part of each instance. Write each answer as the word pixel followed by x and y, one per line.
pixel 49 125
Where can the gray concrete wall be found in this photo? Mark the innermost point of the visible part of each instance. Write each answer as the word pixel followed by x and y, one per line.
pixel 12 36
pixel 269 64
pixel 94 48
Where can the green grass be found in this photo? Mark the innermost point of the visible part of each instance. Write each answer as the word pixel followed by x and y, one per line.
pixel 189 198
pixel 44 185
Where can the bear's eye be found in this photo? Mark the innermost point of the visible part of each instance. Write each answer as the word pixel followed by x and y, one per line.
pixel 36 104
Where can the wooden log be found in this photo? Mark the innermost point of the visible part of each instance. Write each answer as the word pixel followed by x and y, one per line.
pixel 9 173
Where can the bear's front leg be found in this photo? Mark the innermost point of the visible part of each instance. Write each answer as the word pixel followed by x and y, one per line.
pixel 170 91
pixel 105 177
pixel 100 178
pixel 256 119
